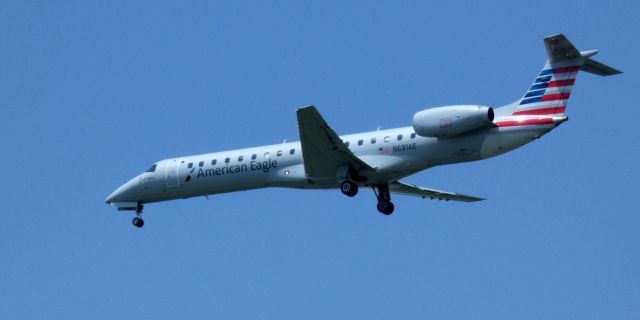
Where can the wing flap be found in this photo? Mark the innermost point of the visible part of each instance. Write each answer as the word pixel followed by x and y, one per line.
pixel 418 191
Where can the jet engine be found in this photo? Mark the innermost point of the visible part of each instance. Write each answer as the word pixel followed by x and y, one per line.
pixel 451 120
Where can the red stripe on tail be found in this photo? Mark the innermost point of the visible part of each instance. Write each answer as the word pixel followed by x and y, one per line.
pixel 555 96
pixel 566 70
pixel 537 112
pixel 528 122
pixel 561 83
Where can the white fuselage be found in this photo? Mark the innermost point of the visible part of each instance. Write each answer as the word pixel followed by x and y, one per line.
pixel 376 159
pixel 394 153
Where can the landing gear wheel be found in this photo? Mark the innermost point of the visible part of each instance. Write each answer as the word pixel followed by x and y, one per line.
pixel 137 222
pixel 349 188
pixel 385 207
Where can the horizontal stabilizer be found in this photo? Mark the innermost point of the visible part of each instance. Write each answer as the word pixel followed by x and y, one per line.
pixel 418 191
pixel 598 68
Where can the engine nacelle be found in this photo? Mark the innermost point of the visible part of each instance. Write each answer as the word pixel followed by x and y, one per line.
pixel 451 120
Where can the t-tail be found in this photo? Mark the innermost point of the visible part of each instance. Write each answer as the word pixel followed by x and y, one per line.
pixel 550 91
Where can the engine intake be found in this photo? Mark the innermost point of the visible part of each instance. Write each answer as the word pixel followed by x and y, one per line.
pixel 450 121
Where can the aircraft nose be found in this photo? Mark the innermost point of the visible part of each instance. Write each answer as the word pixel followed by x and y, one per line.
pixel 115 195
pixel 123 193
pixel 111 197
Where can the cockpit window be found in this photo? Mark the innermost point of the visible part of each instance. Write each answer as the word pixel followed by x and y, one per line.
pixel 153 168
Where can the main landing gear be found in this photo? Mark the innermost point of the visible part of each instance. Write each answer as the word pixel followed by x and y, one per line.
pixel 137 221
pixel 349 188
pixel 348 176
pixel 385 206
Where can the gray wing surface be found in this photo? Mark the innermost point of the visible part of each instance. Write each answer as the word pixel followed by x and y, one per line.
pixel 323 151
pixel 418 191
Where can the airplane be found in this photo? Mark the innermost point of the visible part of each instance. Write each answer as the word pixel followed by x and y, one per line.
pixel 377 159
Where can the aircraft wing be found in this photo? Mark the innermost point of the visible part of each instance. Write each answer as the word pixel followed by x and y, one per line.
pixel 323 151
pixel 418 191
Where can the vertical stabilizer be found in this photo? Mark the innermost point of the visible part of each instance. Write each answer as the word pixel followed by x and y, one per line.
pixel 551 89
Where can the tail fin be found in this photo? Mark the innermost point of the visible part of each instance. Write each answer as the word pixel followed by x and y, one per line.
pixel 550 91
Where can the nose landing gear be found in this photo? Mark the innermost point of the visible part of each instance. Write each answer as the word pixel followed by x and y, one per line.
pixel 137 221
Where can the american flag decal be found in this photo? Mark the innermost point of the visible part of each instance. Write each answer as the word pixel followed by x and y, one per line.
pixel 446 123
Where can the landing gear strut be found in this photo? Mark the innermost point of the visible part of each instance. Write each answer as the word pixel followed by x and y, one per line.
pixel 349 188
pixel 385 206
pixel 137 221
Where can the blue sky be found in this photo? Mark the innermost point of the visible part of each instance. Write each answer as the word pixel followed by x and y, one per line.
pixel 92 93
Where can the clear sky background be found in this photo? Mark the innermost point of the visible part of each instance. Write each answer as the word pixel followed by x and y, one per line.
pixel 93 93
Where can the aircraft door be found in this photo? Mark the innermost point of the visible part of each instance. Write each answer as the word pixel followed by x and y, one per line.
pixel 172 173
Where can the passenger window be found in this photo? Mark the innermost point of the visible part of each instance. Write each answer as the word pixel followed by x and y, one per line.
pixel 190 165
pixel 373 140
pixel 279 153
pixel 413 135
pixel 226 160
pixel 254 156
pixel 266 155
pixel 360 142
pixel 292 151
pixel 399 137
pixel 386 139
pixel 201 164
pixel 213 162
pixel 153 168
pixel 240 158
